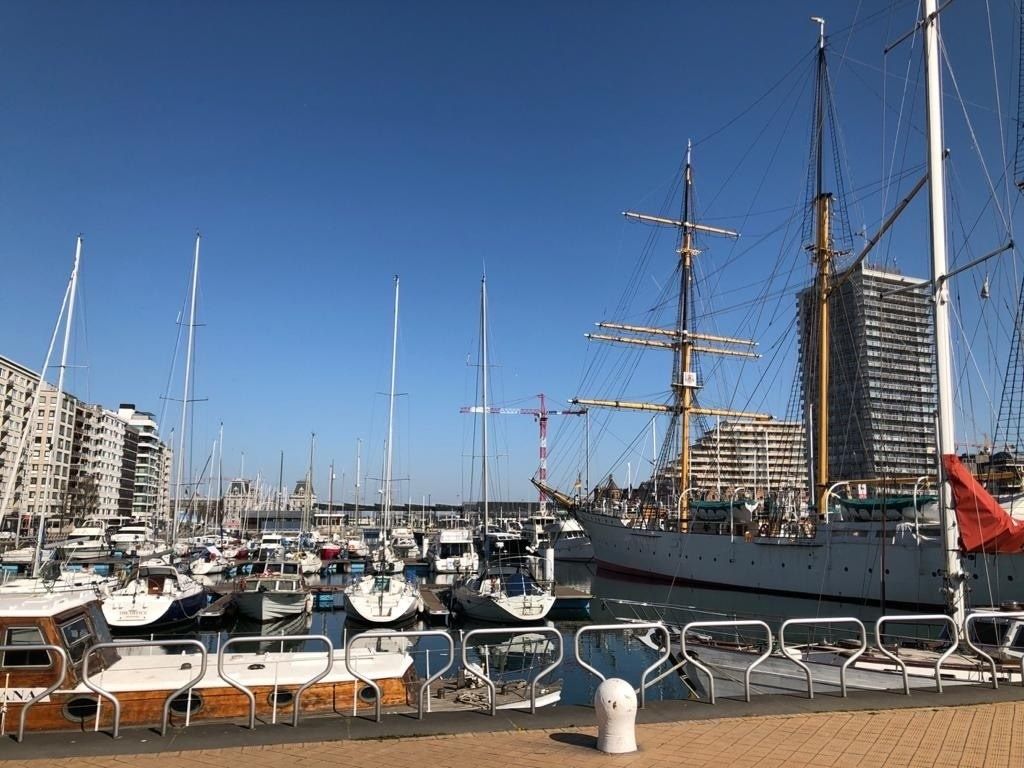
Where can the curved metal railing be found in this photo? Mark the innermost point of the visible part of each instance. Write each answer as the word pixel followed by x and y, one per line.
pixel 924 618
pixel 240 686
pixel 970 643
pixel 784 649
pixel 718 625
pixel 629 626
pixel 62 655
pixel 424 686
pixel 95 687
pixel 542 630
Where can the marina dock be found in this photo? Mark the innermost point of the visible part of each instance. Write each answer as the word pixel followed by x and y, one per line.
pixel 970 725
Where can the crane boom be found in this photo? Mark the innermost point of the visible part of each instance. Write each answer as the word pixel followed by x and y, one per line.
pixel 541 414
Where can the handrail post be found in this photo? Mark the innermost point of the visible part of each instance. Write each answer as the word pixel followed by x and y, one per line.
pixel 89 683
pixel 718 624
pixel 784 649
pixel 517 631
pixel 657 626
pixel 48 647
pixel 425 685
pixel 918 619
pixel 244 689
pixel 970 644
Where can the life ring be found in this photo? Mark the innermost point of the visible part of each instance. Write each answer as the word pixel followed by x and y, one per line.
pixel 763 530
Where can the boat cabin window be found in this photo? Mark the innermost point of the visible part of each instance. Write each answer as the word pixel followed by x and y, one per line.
pixel 77 637
pixel 24 636
pixel 1018 641
pixel 989 632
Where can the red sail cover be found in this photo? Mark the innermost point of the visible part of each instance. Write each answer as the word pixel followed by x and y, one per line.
pixel 984 525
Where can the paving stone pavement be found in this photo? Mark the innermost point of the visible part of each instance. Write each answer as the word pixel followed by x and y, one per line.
pixel 953 737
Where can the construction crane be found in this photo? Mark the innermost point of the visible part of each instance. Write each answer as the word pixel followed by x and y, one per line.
pixel 541 415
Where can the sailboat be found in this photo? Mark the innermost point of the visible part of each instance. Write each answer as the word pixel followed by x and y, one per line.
pixel 156 594
pixel 798 550
pixel 383 596
pixel 504 589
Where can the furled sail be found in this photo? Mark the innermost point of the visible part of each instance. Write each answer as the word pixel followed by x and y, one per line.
pixel 984 525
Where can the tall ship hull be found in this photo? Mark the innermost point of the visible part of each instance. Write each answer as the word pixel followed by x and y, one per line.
pixel 842 563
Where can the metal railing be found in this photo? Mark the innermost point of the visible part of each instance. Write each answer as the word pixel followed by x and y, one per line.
pixel 785 650
pixel 628 627
pixel 62 655
pixel 543 630
pixel 970 643
pixel 424 686
pixel 238 685
pixel 924 618
pixel 718 625
pixel 95 687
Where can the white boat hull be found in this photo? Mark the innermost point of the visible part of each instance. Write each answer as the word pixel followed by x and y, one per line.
pixel 502 609
pixel 370 603
pixel 268 606
pixel 578 550
pixel 837 563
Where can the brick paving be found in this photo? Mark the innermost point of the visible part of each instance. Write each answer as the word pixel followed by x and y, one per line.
pixel 964 736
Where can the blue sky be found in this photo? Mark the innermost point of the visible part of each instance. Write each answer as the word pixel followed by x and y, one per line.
pixel 323 147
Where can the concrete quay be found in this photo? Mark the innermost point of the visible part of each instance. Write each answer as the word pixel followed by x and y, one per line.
pixel 966 726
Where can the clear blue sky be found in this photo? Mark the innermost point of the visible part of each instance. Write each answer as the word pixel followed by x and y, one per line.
pixel 321 147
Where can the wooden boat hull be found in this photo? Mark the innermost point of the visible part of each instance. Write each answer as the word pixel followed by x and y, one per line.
pixel 76 710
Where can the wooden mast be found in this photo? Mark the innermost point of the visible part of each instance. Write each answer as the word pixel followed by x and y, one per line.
pixel 823 256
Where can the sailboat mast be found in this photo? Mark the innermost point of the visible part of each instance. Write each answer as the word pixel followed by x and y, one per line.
pixel 684 392
pixel 391 420
pixel 309 485
pixel 359 469
pixel 220 479
pixel 955 597
pixel 483 364
pixel 330 498
pixel 52 440
pixel 823 256
pixel 185 394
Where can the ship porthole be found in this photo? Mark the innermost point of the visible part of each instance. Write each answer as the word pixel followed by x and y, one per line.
pixel 367 694
pixel 187 703
pixel 280 698
pixel 80 709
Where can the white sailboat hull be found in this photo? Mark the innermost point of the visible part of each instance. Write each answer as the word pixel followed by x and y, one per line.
pixel 379 599
pixel 268 606
pixel 837 563
pixel 520 608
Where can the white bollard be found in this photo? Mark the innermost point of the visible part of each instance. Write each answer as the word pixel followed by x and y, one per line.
pixel 615 703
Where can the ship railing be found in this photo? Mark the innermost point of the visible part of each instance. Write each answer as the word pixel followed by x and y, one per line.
pixel 517 631
pixel 97 688
pixel 969 642
pixel 694 625
pixel 924 618
pixel 786 650
pixel 395 634
pixel 18 648
pixel 654 626
pixel 240 686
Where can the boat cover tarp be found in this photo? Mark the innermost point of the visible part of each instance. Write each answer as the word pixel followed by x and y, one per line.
pixel 984 525
pixel 890 502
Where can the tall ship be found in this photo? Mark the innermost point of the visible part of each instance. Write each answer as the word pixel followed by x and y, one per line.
pixel 892 542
